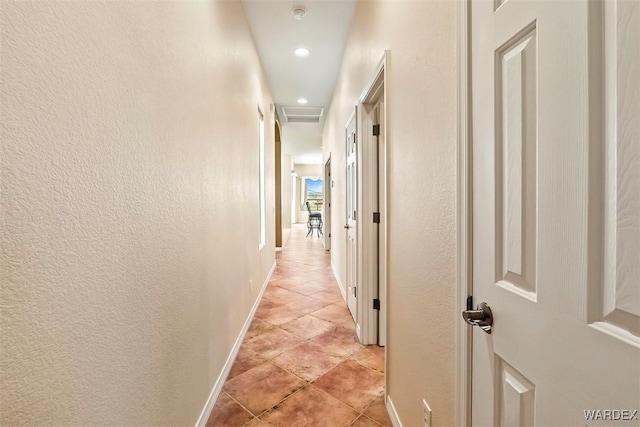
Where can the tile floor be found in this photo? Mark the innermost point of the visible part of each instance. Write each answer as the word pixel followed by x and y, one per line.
pixel 300 363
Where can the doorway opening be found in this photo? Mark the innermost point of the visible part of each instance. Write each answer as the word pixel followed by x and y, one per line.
pixel 366 143
pixel 373 239
pixel 278 185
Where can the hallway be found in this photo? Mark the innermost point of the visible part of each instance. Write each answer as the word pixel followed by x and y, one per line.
pixel 300 363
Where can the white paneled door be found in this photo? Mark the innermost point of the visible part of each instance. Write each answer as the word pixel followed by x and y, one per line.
pixel 555 128
pixel 351 203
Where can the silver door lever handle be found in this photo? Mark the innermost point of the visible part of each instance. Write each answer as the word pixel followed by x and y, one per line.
pixel 481 317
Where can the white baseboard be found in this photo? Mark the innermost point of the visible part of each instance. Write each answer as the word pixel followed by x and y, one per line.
pixel 393 415
pixel 278 249
pixel 217 386
pixel 343 291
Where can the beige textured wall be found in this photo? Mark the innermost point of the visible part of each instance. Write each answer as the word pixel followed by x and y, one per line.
pixel 309 170
pixel 129 206
pixel 421 93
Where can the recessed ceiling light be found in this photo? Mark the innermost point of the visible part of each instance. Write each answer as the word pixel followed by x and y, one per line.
pixel 302 51
pixel 302 101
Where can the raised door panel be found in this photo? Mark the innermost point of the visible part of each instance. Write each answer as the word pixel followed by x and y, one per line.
pixel 516 397
pixel 617 309
pixel 516 165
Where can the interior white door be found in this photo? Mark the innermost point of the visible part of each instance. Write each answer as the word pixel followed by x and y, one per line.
pixel 555 89
pixel 351 214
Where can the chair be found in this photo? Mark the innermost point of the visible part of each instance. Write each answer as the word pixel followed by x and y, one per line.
pixel 314 222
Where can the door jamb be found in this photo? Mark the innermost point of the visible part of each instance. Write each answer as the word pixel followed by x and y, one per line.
pixel 376 90
pixel 464 285
pixel 326 203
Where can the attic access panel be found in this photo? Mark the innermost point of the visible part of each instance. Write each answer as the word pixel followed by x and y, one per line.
pixel 302 114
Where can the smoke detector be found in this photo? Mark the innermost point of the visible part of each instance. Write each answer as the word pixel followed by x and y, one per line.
pixel 299 13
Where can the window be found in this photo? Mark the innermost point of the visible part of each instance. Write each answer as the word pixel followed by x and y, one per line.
pixel 314 194
pixel 263 209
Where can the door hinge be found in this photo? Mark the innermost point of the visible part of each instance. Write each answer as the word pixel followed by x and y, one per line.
pixel 376 304
pixel 376 217
pixel 376 130
pixel 329 235
pixel 329 204
pixel 470 302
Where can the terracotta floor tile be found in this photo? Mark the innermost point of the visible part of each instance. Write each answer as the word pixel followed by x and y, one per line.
pixel 328 296
pixel 281 314
pixel 304 302
pixel 283 263
pixel 300 273
pixel 289 282
pixel 276 276
pixel 308 326
pixel 312 269
pixel 377 411
pixel 309 305
pixel 272 343
pixel 245 360
pixel 352 384
pixel 335 313
pixel 227 413
pixel 264 308
pixel 262 387
pixel 326 280
pixel 310 407
pixel 372 356
pixel 309 268
pixel 282 270
pixel 280 295
pixel 349 324
pixel 276 279
pixel 301 286
pixel 266 304
pixel 258 326
pixel 330 284
pixel 256 422
pixel 363 421
pixel 308 361
pixel 339 340
pixel 303 325
pixel 326 273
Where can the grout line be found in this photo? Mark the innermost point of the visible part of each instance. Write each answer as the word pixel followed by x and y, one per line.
pixel 283 399
pixel 240 404
pixel 364 366
pixel 372 420
pixel 359 413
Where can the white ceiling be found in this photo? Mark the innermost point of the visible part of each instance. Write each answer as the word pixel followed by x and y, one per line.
pixel 323 31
